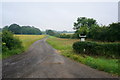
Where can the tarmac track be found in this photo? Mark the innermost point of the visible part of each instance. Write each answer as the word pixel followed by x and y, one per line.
pixel 43 61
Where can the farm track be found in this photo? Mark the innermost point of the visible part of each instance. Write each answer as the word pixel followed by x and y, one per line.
pixel 43 61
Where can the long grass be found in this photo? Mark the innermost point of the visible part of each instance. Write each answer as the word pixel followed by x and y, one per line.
pixel 27 40
pixel 64 46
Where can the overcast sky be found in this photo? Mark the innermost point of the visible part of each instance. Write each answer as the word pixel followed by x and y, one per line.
pixel 57 15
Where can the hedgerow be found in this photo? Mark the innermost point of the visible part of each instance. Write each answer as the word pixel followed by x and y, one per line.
pixel 65 36
pixel 10 44
pixel 94 48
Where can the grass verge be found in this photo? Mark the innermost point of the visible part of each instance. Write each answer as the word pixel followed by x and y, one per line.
pixel 64 46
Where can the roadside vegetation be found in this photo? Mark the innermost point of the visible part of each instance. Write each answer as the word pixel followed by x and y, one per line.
pixel 10 44
pixel 98 48
pixel 100 52
pixel 15 44
pixel 103 63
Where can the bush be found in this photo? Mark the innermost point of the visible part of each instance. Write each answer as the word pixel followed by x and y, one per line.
pixel 104 49
pixel 65 36
pixel 10 43
pixel 105 33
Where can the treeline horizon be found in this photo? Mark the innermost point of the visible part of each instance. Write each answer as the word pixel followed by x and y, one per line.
pixel 17 29
pixel 91 28
pixel 83 26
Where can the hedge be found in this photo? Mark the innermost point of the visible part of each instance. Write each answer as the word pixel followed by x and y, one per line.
pixel 104 49
pixel 65 35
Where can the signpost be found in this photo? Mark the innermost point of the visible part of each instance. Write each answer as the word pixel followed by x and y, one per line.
pixel 82 38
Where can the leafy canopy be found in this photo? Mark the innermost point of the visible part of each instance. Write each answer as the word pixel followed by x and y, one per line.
pixel 83 21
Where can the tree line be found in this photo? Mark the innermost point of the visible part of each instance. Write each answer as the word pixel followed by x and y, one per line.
pixel 17 29
pixel 90 28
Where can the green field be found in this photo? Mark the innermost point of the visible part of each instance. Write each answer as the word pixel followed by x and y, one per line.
pixel 26 40
pixel 64 46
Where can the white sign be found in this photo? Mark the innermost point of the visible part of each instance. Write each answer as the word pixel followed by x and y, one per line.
pixel 82 37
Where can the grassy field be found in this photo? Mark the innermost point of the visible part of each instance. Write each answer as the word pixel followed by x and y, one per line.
pixel 64 46
pixel 26 40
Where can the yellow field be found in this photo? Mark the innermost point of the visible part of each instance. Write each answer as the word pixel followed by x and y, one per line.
pixel 27 40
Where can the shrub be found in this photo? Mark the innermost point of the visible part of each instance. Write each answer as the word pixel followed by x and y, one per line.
pixel 9 42
pixel 65 35
pixel 107 49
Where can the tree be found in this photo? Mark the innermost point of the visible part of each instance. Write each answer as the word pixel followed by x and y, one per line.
pixel 15 28
pixel 114 31
pixel 83 25
pixel 50 32
pixel 30 30
pixel 83 21
pixel 5 28
pixel 99 33
pixel 109 33
pixel 83 30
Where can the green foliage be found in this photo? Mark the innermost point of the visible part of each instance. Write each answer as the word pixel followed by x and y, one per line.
pixel 103 49
pixel 10 44
pixel 30 30
pixel 114 31
pixel 83 21
pixel 10 41
pixel 110 33
pixel 52 33
pixel 83 30
pixel 107 65
pixel 89 27
pixel 5 28
pixel 83 25
pixel 64 46
pixel 16 29
pixel 57 34
pixel 65 35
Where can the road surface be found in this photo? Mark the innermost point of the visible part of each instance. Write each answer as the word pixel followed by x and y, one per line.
pixel 43 61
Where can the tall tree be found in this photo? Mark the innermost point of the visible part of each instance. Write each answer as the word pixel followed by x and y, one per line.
pixel 83 21
pixel 83 25
pixel 114 31
pixel 15 28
